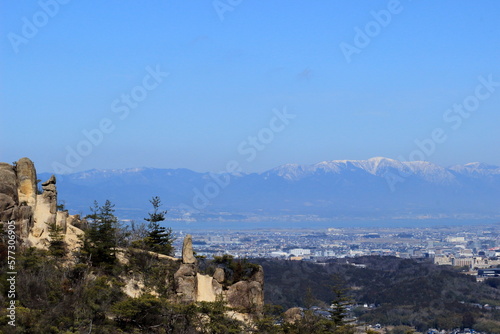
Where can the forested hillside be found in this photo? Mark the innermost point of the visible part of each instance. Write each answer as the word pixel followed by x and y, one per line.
pixel 400 291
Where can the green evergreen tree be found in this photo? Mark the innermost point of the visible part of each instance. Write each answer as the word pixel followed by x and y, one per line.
pixel 99 240
pixel 339 308
pixel 159 238
pixel 57 246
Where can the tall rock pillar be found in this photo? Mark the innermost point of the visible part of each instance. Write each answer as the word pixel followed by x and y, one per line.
pixel 26 179
pixel 187 250
pixel 186 280
pixel 26 190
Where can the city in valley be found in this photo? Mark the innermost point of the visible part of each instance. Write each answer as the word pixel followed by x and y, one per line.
pixel 472 247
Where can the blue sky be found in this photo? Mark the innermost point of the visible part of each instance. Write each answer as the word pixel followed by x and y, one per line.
pixel 232 65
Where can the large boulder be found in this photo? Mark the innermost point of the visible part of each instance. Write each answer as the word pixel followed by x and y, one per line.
pixel 219 275
pixel 8 193
pixel 7 208
pixel 26 179
pixel 246 295
pixel 292 315
pixel 8 181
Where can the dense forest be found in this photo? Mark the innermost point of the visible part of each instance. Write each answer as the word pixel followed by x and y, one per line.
pixel 397 291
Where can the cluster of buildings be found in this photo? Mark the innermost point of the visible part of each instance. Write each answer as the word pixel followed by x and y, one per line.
pixel 474 247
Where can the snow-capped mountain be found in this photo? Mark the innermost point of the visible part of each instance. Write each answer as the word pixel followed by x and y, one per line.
pixel 375 166
pixel 377 188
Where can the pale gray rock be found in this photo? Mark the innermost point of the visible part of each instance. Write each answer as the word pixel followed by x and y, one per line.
pixel 20 201
pixel 49 194
pixel 26 180
pixel 62 219
pixel 8 181
pixel 8 193
pixel 292 315
pixel 186 283
pixel 247 296
pixel 219 275
pixel 7 208
pixel 187 250
pixel 216 287
pixel 258 276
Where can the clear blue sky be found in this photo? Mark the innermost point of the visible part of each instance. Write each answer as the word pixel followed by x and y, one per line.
pixel 226 76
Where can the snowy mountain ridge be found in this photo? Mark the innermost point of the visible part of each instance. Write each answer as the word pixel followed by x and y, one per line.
pixel 376 188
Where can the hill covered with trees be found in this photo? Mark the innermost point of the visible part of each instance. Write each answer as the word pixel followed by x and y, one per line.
pixel 395 291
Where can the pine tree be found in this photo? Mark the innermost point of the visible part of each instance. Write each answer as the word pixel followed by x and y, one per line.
pixel 99 240
pixel 340 307
pixel 159 238
pixel 57 246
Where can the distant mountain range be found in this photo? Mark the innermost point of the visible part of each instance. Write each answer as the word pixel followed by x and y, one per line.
pixel 377 188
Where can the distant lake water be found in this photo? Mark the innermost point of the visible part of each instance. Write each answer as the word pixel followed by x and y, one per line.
pixel 394 223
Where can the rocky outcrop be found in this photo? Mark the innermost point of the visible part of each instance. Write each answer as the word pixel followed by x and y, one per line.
pixel 292 315
pixel 217 288
pixel 246 296
pixel 8 181
pixel 186 283
pixel 16 195
pixel 258 276
pixel 33 213
pixel 8 192
pixel 26 179
pixel 219 275
pixel 62 220
pixel 49 194
pixel 187 250
pixel 7 207
pixel 186 280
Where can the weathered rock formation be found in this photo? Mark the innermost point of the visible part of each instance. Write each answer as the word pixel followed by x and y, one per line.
pixel 10 192
pixel 49 194
pixel 292 315
pixel 186 282
pixel 26 178
pixel 246 296
pixel 32 212
pixel 219 275
pixel 187 250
